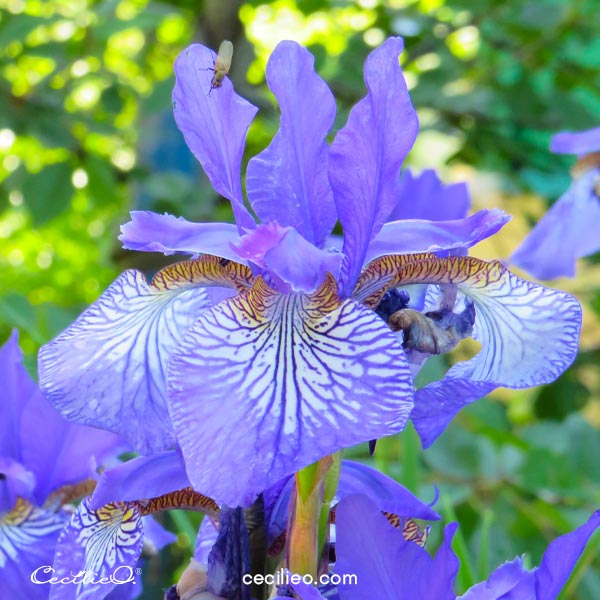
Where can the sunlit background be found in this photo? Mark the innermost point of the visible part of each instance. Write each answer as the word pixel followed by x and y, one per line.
pixel 86 134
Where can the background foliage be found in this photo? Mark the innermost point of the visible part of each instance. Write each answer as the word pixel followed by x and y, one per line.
pixel 86 134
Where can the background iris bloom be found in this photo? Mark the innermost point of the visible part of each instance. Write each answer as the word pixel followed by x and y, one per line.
pixel 568 231
pixel 45 463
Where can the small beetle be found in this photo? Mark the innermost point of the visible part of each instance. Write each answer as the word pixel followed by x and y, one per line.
pixel 222 64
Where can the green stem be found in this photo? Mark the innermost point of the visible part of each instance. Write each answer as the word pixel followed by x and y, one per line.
pixel 303 527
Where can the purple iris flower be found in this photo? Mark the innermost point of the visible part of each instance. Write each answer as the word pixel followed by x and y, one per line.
pixel 265 353
pixel 386 566
pixel 46 462
pixel 568 231
pixel 113 529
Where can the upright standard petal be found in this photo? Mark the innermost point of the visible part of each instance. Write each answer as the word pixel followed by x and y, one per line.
pixel 568 231
pixel 288 181
pixel 529 333
pixel 107 369
pixel 580 142
pixel 18 389
pixel 424 196
pixel 265 383
pixel 150 232
pixel 214 123
pixel 366 156
pixel 413 236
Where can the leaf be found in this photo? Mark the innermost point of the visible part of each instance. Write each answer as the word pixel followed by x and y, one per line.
pixel 48 193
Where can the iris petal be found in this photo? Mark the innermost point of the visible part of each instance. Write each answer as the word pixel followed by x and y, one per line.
pixel 107 369
pixel 438 403
pixel 214 125
pixel 568 231
pixel 288 181
pixel 141 477
pixel 383 562
pixel 106 543
pixel 367 153
pixel 424 196
pixel 264 384
pixel 282 251
pixel 28 538
pixel 413 235
pixel 357 478
pixel 529 333
pixel 579 142
pixel 151 232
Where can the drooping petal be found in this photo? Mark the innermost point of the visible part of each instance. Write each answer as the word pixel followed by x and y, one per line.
pixel 105 544
pixel 412 236
pixel 366 156
pixel 529 333
pixel 28 537
pixel 107 368
pixel 282 251
pixel 386 565
pixel 425 197
pixel 568 231
pixel 151 232
pixel 141 477
pixel 264 384
pixel 580 142
pixel 288 182
pixel 439 402
pixel 214 124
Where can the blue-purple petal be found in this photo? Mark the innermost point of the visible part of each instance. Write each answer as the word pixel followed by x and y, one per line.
pixel 155 535
pixel 264 384
pixel 107 543
pixel 384 563
pixel 357 478
pixel 560 559
pixel 414 236
pixel 288 181
pixel 107 368
pixel 27 548
pixel 568 231
pixel 367 154
pixel 545 582
pixel 141 477
pixel 214 124
pixel 151 232
pixel 425 197
pixel 283 252
pixel 439 402
pixel 18 389
pixel 580 142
